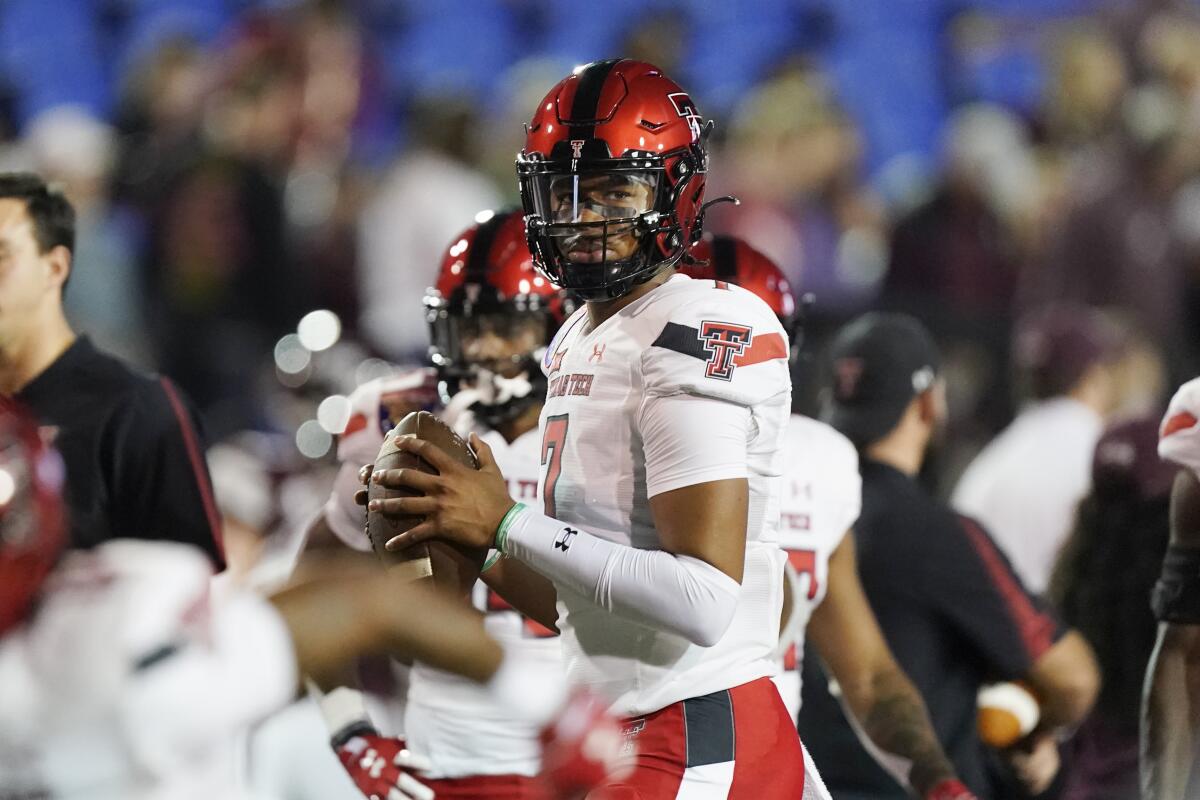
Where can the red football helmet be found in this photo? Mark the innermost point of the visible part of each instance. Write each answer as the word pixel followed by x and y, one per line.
pixel 32 520
pixel 727 258
pixel 489 292
pixel 612 177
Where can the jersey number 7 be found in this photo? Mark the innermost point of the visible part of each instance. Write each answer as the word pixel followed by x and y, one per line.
pixel 554 439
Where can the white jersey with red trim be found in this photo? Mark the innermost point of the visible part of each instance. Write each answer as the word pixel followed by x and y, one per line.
pixel 450 719
pixel 701 338
pixel 130 681
pixel 822 497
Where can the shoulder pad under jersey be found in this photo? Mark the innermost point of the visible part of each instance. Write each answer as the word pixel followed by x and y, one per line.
pixel 717 340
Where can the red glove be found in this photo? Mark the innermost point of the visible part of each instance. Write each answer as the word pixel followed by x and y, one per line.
pixel 382 768
pixel 582 748
pixel 950 789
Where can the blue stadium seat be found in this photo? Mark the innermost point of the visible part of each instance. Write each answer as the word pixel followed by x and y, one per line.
pixel 50 52
pixel 732 49
pixel 148 23
pixel 890 82
pixel 438 51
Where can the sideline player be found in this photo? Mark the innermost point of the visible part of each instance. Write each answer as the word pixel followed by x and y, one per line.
pixel 1171 713
pixel 823 597
pixel 491 316
pixel 662 432
pixel 121 678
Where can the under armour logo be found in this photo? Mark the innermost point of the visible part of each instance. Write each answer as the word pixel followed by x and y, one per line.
pixel 597 352
pixel 564 538
pixel 724 341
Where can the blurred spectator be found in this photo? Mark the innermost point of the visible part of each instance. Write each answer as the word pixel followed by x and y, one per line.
pixel 219 286
pixel 1088 78
pixel 427 197
pixel 72 148
pixel 1100 586
pixel 1024 485
pixel 954 259
pixel 794 160
pixel 1129 237
pixel 953 611
pixel 159 118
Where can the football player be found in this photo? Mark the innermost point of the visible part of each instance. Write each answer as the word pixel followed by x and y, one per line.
pixel 121 677
pixel 823 597
pixel 662 434
pixel 491 315
pixel 1171 725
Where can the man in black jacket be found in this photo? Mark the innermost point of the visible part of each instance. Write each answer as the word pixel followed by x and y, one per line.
pixel 133 450
pixel 954 613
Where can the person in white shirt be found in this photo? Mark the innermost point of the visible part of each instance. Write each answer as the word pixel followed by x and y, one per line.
pixel 420 204
pixel 1025 484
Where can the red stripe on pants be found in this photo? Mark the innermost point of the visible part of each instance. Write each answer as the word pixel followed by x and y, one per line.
pixel 768 763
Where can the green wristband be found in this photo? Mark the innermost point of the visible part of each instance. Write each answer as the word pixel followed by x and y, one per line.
pixel 491 561
pixel 505 524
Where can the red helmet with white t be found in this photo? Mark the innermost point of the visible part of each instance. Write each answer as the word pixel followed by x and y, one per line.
pixel 612 177
pixel 490 315
pixel 730 259
pixel 32 519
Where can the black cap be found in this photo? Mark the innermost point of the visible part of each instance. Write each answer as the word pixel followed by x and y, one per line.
pixel 880 363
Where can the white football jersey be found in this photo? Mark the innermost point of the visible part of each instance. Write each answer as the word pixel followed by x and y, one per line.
pixel 686 337
pixel 130 681
pixel 450 719
pixel 822 497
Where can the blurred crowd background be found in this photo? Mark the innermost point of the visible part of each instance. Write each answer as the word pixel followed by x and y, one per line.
pixel 265 187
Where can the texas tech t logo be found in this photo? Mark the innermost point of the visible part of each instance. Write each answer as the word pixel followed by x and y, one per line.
pixel 724 342
pixel 685 108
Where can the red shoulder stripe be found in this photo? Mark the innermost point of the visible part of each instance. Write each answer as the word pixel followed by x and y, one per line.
pixel 763 348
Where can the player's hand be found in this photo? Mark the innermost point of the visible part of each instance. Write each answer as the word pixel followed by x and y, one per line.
pixel 949 789
pixel 383 768
pixel 1037 763
pixel 364 477
pixel 461 504
pixel 582 748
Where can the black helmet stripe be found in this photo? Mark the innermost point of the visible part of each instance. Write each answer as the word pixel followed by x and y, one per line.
pixel 724 257
pixel 481 249
pixel 584 106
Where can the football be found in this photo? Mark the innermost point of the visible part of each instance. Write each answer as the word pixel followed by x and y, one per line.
pixel 450 566
pixel 1007 712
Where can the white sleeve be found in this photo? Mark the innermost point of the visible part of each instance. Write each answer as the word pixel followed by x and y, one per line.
pixel 679 594
pixel 193 695
pixel 676 456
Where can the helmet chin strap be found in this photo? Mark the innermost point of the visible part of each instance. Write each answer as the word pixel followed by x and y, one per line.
pixel 490 390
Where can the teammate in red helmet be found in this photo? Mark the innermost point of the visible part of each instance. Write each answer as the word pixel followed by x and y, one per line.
pixel 665 414
pixel 612 178
pixel 491 315
pixel 824 598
